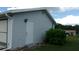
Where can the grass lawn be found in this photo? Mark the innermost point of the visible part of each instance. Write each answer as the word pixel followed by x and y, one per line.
pixel 71 45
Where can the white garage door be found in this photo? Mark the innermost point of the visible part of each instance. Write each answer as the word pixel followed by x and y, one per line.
pixel 3 31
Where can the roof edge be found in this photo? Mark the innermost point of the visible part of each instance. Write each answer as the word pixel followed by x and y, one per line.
pixel 51 17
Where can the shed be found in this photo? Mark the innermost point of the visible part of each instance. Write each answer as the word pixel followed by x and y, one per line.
pixel 24 27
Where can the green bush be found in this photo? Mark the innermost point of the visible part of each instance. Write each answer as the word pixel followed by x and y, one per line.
pixel 55 36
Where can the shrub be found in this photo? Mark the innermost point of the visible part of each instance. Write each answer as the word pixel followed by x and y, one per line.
pixel 55 36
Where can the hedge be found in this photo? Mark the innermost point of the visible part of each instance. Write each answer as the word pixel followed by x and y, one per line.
pixel 55 36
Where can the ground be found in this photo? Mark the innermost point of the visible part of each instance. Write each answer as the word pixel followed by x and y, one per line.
pixel 71 45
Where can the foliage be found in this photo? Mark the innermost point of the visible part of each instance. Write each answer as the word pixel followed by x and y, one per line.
pixel 64 27
pixel 55 36
pixel 68 27
pixel 72 38
pixel 77 28
pixel 59 26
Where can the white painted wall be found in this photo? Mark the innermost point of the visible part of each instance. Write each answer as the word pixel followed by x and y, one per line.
pixel 41 24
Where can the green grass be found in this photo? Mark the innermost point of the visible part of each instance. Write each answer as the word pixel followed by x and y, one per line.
pixel 71 45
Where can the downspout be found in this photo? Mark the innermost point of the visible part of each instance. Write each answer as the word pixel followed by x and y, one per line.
pixel 9 38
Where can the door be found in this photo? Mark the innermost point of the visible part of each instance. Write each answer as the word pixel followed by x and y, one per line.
pixel 3 33
pixel 29 32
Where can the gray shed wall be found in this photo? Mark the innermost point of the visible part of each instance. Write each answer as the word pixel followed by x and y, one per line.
pixel 41 24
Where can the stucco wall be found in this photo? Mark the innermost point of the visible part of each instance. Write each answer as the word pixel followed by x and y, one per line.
pixel 41 24
pixel 18 32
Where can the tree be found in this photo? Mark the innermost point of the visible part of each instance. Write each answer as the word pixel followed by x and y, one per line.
pixel 58 26
pixel 68 27
pixel 77 28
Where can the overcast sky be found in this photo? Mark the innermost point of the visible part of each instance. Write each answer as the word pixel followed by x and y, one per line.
pixel 68 14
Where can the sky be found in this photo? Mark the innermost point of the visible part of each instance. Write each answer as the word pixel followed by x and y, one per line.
pixel 67 14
